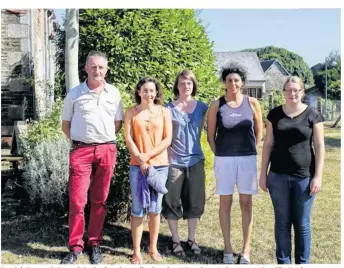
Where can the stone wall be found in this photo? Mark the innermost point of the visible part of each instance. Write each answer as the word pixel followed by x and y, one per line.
pixel 16 67
pixel 27 61
pixel 274 79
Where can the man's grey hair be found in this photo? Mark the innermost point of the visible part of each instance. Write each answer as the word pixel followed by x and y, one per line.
pixel 97 54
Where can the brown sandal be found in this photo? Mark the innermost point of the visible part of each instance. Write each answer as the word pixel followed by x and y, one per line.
pixel 178 253
pixel 155 256
pixel 136 259
pixel 194 247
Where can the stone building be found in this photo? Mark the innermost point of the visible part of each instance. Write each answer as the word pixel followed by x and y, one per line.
pixel 27 65
pixel 275 75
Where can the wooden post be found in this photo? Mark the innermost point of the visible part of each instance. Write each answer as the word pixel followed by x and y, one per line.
pixel 271 104
pixel 20 127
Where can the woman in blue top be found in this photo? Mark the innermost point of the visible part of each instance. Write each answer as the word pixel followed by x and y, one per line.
pixel 186 179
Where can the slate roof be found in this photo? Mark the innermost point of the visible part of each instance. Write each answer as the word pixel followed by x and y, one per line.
pixel 249 60
pixel 266 64
pixel 317 67
pixel 313 89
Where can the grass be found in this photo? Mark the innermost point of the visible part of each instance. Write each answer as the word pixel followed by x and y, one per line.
pixel 39 240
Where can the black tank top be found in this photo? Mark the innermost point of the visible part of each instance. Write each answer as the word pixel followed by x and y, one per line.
pixel 235 129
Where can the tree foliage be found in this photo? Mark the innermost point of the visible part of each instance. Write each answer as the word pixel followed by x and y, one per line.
pixel 291 61
pixel 333 76
pixel 149 42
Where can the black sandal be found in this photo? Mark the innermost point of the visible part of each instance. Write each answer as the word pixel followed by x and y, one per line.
pixel 194 247
pixel 178 253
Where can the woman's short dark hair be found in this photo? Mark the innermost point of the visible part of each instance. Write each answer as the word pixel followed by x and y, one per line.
pixel 186 74
pixel 158 98
pixel 233 68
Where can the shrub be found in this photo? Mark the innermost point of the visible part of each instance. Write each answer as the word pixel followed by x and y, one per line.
pixel 209 159
pixel 119 201
pixel 46 162
pixel 277 100
pixel 47 128
pixel 45 175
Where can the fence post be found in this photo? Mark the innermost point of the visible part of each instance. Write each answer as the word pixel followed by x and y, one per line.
pixel 271 105
pixel 332 111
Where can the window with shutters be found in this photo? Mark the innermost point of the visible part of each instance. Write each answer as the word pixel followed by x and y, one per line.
pixel 255 92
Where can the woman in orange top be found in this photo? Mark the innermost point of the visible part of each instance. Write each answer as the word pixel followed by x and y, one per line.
pixel 148 133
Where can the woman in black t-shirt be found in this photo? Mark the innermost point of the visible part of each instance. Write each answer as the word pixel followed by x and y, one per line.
pixel 296 169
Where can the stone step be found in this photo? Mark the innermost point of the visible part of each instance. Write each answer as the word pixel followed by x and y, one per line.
pixel 5 151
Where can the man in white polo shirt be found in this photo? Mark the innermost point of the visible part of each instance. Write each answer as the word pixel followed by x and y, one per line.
pixel 92 115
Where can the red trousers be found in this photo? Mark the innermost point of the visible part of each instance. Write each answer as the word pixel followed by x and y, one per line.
pixel 90 167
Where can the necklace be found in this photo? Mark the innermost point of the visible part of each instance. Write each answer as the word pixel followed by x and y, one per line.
pixel 148 126
pixel 148 116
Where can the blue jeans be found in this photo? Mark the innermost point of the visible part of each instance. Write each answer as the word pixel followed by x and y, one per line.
pixel 292 202
pixel 137 209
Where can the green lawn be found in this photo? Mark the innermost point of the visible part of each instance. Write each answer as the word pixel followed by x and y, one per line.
pixel 37 240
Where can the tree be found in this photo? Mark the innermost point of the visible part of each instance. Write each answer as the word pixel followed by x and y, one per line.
pixel 154 42
pixel 72 48
pixel 333 76
pixel 291 61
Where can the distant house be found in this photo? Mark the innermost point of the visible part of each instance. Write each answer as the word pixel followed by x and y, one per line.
pixel 312 96
pixel 275 75
pixel 255 84
pixel 317 68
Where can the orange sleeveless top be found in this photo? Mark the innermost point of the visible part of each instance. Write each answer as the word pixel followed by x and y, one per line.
pixel 147 134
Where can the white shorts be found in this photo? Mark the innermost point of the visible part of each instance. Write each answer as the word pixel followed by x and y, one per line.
pixel 236 170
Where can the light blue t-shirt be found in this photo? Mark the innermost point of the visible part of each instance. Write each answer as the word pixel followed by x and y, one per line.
pixel 186 149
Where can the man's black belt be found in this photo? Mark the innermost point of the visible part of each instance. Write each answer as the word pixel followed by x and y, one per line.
pixel 92 143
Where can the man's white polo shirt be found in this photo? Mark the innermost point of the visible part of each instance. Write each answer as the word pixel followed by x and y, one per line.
pixel 93 116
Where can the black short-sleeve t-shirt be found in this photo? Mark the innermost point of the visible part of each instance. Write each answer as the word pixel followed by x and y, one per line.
pixel 292 153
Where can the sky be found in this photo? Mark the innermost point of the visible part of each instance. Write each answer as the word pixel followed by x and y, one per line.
pixel 310 33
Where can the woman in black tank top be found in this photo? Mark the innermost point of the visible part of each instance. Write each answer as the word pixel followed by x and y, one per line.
pixel 234 130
